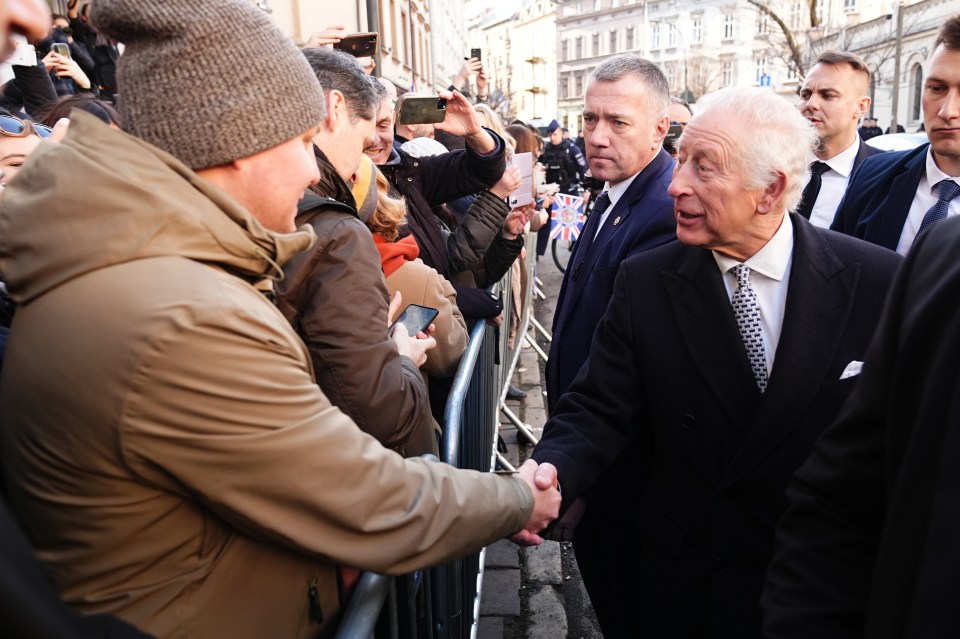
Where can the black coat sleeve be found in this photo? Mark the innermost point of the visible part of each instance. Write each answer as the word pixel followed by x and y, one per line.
pixel 34 90
pixel 449 176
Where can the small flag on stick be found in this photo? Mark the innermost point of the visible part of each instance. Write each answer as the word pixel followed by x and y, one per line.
pixel 566 217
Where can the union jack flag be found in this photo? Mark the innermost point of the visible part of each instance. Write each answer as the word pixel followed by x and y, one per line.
pixel 566 217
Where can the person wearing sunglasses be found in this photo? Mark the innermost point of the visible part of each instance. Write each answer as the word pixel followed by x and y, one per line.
pixel 18 139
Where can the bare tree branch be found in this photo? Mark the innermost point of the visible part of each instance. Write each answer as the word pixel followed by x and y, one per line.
pixel 796 55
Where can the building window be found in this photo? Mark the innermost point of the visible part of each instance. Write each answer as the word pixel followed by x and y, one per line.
pixel 564 49
pixel 917 77
pixel 760 67
pixel 697 31
pixel 613 41
pixel 728 26
pixel 670 72
pixel 796 14
pixel 595 40
pixel 578 79
pixel 615 4
pixel 655 35
pixel 763 23
pixel 579 47
pixel 597 5
pixel 849 6
pixel 671 35
pixel 791 72
pixel 564 86
pixel 629 38
pixel 726 73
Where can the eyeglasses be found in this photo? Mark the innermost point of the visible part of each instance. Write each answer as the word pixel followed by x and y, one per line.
pixel 17 128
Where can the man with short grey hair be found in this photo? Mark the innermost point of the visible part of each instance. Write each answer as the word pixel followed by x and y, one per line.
pixel 717 363
pixel 624 124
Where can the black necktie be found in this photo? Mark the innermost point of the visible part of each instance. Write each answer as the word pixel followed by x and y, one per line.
pixel 812 190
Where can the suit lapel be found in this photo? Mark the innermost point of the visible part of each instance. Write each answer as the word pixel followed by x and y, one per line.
pixel 703 313
pixel 892 214
pixel 624 207
pixel 819 301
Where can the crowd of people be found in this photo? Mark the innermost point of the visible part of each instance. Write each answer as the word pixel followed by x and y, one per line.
pixel 211 422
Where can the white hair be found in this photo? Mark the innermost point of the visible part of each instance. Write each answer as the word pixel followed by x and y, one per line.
pixel 778 137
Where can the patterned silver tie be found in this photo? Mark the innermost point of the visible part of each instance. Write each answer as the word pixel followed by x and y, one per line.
pixel 747 312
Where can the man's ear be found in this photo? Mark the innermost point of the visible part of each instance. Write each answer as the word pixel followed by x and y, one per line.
pixel 336 108
pixel 862 105
pixel 772 194
pixel 663 127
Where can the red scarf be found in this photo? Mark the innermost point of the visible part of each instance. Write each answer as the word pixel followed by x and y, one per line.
pixel 394 254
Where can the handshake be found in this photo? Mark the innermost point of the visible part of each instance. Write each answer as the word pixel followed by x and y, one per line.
pixel 543 483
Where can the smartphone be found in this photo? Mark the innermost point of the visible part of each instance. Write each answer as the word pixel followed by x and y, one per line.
pixel 420 109
pixel 359 45
pixel 523 194
pixel 475 53
pixel 416 318
pixel 670 141
pixel 60 49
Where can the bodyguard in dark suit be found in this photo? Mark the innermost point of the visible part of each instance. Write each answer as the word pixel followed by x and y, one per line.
pixel 624 121
pixel 868 548
pixel 717 364
pixel 894 196
pixel 834 98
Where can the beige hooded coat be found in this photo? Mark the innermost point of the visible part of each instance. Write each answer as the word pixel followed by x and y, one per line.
pixel 164 443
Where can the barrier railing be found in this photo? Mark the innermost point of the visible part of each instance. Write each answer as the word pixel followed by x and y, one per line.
pixel 447 601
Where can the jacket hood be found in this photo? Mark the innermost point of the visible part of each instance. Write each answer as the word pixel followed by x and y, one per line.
pixel 102 197
pixel 331 185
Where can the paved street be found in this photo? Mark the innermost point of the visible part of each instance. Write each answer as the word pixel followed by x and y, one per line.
pixel 534 593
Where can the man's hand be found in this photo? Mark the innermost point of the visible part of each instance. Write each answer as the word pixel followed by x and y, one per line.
pixel 468 68
pixel 413 347
pixel 542 480
pixel 463 121
pixel 508 182
pixel 562 529
pixel 326 38
pixel 66 67
pixel 516 221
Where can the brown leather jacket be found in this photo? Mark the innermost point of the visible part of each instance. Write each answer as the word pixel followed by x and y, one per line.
pixel 335 296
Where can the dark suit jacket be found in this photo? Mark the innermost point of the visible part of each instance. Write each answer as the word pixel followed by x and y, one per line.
pixel 668 375
pixel 879 196
pixel 646 221
pixel 869 546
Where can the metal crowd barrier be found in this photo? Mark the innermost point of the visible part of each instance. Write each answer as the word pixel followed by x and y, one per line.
pixel 446 599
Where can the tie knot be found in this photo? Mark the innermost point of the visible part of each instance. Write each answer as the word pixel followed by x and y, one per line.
pixel 947 190
pixel 603 201
pixel 742 273
pixel 818 168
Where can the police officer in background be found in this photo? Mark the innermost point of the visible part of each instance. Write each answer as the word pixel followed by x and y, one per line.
pixel 563 160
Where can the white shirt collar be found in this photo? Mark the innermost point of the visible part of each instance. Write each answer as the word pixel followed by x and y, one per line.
pixel 616 191
pixel 772 260
pixel 934 175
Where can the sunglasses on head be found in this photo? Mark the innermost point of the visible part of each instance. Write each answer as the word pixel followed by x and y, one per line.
pixel 17 128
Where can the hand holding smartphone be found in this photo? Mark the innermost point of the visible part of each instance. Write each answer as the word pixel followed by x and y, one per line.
pixel 359 45
pixel 415 318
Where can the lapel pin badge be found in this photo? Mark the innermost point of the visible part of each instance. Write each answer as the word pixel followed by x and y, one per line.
pixel 616 222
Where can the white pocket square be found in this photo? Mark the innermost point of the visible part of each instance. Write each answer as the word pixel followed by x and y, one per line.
pixel 852 370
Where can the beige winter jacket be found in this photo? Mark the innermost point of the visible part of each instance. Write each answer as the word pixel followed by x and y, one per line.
pixel 164 443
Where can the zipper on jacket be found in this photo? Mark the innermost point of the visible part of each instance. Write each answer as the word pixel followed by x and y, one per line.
pixel 313 599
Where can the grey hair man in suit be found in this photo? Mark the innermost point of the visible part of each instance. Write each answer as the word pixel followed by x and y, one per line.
pixel 715 367
pixel 834 98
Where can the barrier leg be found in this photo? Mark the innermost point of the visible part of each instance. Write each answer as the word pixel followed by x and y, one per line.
pixel 522 429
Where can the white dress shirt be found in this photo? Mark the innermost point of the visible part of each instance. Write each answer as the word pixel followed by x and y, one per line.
pixel 925 198
pixel 833 184
pixel 769 279
pixel 614 192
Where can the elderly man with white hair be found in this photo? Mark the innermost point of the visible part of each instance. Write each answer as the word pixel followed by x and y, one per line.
pixel 720 358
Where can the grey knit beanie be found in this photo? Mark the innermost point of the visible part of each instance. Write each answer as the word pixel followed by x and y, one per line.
pixel 208 81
